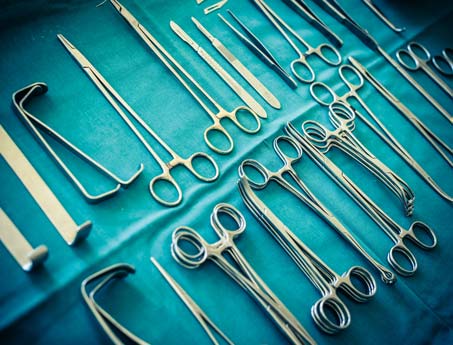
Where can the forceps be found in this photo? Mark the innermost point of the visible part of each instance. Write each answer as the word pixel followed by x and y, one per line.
pixel 203 319
pixel 240 270
pixel 108 323
pixel 446 58
pixel 383 133
pixel 302 8
pixel 337 11
pixel 301 61
pixel 322 276
pixel 342 118
pixel 259 49
pixel 419 57
pixel 377 11
pixel 116 100
pixel 438 144
pixel 173 65
pixel 393 230
pixel 305 195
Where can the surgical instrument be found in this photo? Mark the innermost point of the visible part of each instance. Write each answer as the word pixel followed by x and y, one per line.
pixel 438 144
pixel 342 118
pixel 44 197
pixel 116 100
pixel 238 269
pixel 21 97
pixel 378 12
pixel 259 49
pixel 21 250
pixel 215 66
pixel 445 58
pixel 109 324
pixel 215 6
pixel 239 67
pixel 393 230
pixel 419 57
pixel 383 132
pixel 317 271
pixel 301 62
pixel 337 11
pixel 305 11
pixel 304 194
pixel 170 62
pixel 209 327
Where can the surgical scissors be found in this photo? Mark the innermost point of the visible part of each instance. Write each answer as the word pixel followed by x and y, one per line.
pixel 446 58
pixel 301 61
pixel 393 230
pixel 320 274
pixel 304 194
pixel 240 270
pixel 170 62
pixel 109 324
pixel 116 100
pixel 383 132
pixel 419 57
pixel 259 49
pixel 342 118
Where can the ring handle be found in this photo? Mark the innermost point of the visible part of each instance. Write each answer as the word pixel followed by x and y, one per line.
pixel 317 134
pixel 188 235
pixel 411 234
pixel 258 167
pixel 166 178
pixel 321 86
pixel 234 214
pixel 199 175
pixel 349 83
pixel 333 306
pixel 367 283
pixel 405 253
pixel 342 114
pixel 281 152
pixel 400 54
pixel 217 128
pixel 325 57
pixel 445 59
pixel 249 113
pixel 303 64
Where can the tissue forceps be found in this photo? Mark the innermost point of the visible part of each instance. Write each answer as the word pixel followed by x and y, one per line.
pixel 446 58
pixel 301 61
pixel 334 8
pixel 393 230
pixel 342 118
pixel 241 271
pixel 438 144
pixel 116 100
pixel 305 195
pixel 196 311
pixel 259 49
pixel 108 323
pixel 173 65
pixel 419 57
pixel 302 8
pixel 322 276
pixel 383 132
pixel 20 98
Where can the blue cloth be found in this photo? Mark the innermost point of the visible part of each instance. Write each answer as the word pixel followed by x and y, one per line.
pixel 45 307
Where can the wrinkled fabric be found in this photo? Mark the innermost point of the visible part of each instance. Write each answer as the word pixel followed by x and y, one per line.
pixel 45 307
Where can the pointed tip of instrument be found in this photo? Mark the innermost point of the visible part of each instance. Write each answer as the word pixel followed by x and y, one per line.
pixel 65 41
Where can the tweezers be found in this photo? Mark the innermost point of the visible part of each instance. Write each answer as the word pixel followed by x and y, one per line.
pixel 258 48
